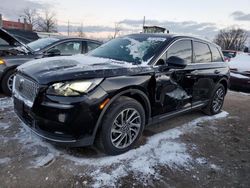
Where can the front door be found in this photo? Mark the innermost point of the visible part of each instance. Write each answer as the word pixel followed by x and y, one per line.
pixel 174 87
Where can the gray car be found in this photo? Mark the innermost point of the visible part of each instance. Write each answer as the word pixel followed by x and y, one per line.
pixel 18 53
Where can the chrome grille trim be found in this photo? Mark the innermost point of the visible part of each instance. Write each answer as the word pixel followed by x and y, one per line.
pixel 25 89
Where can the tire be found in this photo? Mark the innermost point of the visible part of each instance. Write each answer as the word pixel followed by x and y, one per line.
pixel 113 139
pixel 217 98
pixel 6 82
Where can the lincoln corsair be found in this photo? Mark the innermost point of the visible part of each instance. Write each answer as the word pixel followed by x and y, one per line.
pixel 108 96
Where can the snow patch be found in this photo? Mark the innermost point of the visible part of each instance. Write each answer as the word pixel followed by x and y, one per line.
pixel 162 149
pixel 43 160
pixel 4 160
pixel 240 93
pixel 4 126
pixel 6 102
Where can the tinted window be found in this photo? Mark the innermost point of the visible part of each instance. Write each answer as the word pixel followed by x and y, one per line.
pixel 215 54
pixel 69 48
pixel 182 49
pixel 41 43
pixel 92 46
pixel 202 53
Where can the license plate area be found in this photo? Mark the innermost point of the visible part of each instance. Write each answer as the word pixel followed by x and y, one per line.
pixel 24 111
pixel 19 106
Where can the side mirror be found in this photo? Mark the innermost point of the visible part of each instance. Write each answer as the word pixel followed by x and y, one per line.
pixel 176 62
pixel 53 52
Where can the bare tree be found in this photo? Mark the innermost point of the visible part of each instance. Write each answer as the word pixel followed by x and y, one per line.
pixel 231 39
pixel 31 16
pixel 117 29
pixel 47 22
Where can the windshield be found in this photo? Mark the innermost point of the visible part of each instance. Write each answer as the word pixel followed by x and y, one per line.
pixel 41 43
pixel 137 49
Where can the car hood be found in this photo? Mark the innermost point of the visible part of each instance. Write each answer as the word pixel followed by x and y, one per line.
pixel 12 40
pixel 56 69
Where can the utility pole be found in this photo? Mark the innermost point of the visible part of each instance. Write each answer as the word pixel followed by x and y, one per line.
pixel 68 27
pixel 143 24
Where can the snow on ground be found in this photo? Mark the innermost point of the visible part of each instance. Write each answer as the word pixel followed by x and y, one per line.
pixel 162 149
pixel 4 126
pixel 6 102
pixel 239 93
pixel 4 160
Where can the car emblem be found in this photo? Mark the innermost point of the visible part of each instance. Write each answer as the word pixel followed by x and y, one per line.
pixel 21 82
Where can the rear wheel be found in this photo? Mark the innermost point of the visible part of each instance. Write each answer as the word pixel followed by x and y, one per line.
pixel 217 100
pixel 7 82
pixel 122 126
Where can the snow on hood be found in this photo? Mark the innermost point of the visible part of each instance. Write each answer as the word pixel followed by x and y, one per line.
pixel 54 69
pixel 240 62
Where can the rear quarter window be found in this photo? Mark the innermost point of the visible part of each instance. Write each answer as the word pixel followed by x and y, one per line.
pixel 202 52
pixel 216 55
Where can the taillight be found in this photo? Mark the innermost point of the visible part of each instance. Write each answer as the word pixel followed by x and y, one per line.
pixel 227 59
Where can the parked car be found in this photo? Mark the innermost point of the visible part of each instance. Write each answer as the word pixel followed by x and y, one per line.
pixel 6 41
pixel 230 54
pixel 240 72
pixel 10 58
pixel 109 95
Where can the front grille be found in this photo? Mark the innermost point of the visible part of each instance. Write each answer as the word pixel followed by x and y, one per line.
pixel 25 89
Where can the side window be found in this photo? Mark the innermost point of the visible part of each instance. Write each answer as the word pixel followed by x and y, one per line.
pixel 92 46
pixel 181 49
pixel 69 48
pixel 216 56
pixel 202 53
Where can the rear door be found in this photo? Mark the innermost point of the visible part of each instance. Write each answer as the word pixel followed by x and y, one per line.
pixel 207 69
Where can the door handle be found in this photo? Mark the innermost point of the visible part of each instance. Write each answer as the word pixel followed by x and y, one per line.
pixel 216 71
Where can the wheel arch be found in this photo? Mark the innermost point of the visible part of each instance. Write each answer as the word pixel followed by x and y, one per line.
pixel 225 83
pixel 136 94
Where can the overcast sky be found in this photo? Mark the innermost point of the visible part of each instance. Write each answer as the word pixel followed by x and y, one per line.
pixel 196 17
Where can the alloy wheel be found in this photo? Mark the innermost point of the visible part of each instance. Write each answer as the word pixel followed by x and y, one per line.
pixel 218 99
pixel 10 82
pixel 125 128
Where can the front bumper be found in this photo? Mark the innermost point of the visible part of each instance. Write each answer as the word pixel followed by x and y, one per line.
pixel 63 124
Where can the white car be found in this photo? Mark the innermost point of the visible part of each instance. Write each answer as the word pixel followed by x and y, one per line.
pixel 240 71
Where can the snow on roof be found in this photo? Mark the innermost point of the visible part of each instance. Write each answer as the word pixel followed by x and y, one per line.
pixel 241 62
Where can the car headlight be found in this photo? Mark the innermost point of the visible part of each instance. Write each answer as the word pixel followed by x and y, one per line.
pixel 73 88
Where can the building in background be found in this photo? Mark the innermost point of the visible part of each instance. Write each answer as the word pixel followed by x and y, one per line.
pixel 6 24
pixel 22 31
pixel 154 29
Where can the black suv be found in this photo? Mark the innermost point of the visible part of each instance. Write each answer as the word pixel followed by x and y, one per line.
pixel 109 95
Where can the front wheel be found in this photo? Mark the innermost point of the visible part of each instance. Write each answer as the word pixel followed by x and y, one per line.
pixel 122 126
pixel 217 100
pixel 7 82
